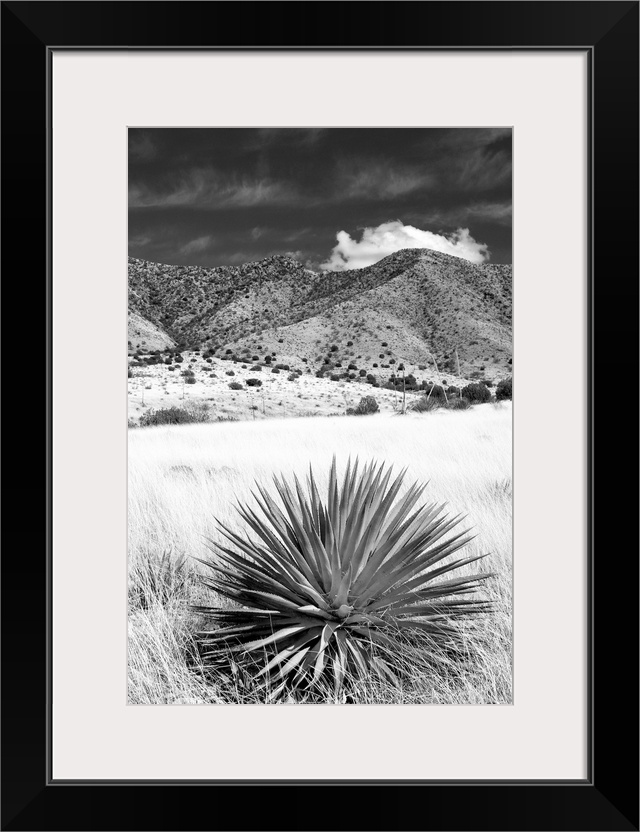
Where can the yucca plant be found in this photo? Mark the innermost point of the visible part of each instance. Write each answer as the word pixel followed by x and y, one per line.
pixel 323 588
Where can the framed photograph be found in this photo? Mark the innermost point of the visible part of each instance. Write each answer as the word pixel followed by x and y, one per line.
pixel 320 547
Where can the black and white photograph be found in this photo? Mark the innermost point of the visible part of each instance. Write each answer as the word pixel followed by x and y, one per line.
pixel 319 373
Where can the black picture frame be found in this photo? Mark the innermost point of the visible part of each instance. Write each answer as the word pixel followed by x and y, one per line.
pixel 608 798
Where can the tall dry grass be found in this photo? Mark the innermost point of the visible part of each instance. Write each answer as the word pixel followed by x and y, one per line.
pixel 183 478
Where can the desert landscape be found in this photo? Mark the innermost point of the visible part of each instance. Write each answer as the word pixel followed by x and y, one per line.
pixel 319 445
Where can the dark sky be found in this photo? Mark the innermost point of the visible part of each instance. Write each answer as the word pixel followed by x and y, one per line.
pixel 223 196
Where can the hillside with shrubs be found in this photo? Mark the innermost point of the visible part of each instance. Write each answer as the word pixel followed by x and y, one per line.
pixel 431 312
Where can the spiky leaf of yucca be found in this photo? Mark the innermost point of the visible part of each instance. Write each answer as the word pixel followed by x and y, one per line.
pixel 328 581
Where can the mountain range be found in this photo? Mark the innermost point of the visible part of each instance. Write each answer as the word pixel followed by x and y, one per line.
pixel 416 306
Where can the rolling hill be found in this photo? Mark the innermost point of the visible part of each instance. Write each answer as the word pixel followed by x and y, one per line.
pixel 416 306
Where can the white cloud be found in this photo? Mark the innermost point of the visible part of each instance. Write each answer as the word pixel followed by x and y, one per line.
pixel 379 242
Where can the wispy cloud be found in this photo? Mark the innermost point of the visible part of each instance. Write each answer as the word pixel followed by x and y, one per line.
pixel 379 242
pixel 139 241
pixel 198 245
pixel 483 169
pixel 206 188
pixel 141 147
pixel 498 212
pixel 364 179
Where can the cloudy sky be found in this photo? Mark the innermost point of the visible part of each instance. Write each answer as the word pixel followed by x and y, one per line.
pixel 332 198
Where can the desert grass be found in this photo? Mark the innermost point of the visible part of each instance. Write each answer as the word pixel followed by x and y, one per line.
pixel 182 478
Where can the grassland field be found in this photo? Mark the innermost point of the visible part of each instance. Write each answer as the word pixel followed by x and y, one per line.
pixel 183 478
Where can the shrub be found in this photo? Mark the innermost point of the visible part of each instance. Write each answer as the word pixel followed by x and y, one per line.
pixel 167 361
pixel 190 380
pixel 330 586
pixel 375 365
pixel 504 389
pixel 255 358
pixel 129 374
pixel 257 368
pixel 476 393
pixel 235 385
pixel 434 391
pixel 275 370
pixel 283 367
pixel 349 343
pixel 254 382
pixel 334 348
pixel 366 406
pixel 168 416
pixel 188 373
pixel 458 404
pixel 425 405
pixel 362 373
pixel 229 373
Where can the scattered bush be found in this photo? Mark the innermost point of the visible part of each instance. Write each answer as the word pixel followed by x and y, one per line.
pixel 188 373
pixel 283 367
pixel 362 373
pixel 352 367
pixel 292 377
pixel 504 389
pixel 254 382
pixel 190 380
pixel 257 368
pixel 129 374
pixel 229 373
pixel 235 385
pixel 275 370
